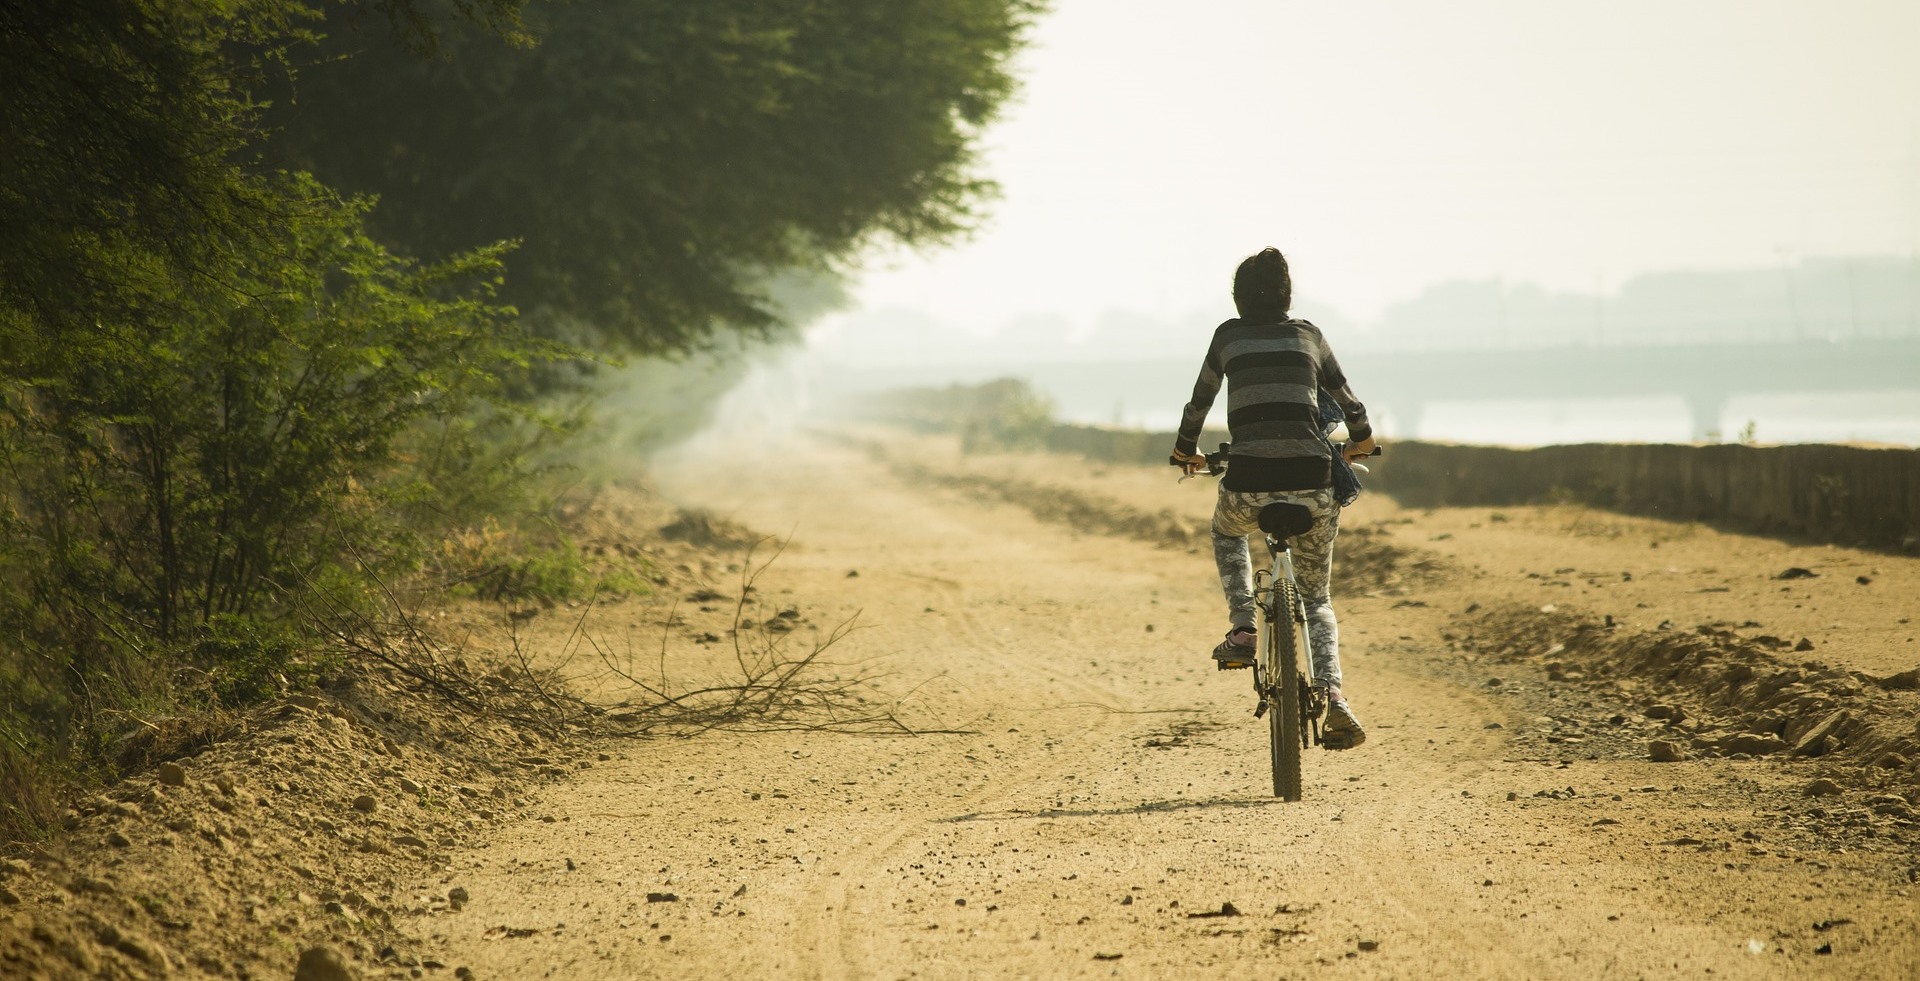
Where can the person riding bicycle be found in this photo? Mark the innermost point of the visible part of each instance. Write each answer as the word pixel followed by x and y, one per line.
pixel 1275 367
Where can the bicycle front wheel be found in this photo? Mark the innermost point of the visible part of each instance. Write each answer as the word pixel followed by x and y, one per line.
pixel 1284 724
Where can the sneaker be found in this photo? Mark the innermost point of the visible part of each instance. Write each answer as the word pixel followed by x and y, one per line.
pixel 1340 730
pixel 1236 650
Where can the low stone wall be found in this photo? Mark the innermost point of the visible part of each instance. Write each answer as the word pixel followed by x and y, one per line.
pixel 1840 494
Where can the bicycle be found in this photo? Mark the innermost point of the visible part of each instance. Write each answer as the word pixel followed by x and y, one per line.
pixel 1292 705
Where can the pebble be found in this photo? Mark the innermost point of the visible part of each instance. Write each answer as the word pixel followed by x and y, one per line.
pixel 322 964
pixel 1822 787
pixel 1662 751
pixel 458 894
pixel 118 840
pixel 408 786
pixel 172 774
pixel 135 946
pixel 1755 744
pixel 364 804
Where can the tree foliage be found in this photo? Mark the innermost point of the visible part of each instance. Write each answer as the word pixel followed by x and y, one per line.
pixel 215 388
pixel 228 395
pixel 659 158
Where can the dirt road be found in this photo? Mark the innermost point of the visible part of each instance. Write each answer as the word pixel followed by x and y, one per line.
pixel 1098 804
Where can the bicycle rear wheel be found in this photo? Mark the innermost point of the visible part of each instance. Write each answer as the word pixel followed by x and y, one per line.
pixel 1283 719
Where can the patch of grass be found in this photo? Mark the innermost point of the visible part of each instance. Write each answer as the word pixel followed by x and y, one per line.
pixel 30 790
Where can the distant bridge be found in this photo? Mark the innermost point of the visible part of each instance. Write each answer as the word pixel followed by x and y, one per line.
pixel 1705 376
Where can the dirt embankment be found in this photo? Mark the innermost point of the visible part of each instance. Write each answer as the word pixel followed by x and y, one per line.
pixel 323 830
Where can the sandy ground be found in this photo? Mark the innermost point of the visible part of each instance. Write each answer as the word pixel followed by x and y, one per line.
pixel 1097 804
pixel 1052 781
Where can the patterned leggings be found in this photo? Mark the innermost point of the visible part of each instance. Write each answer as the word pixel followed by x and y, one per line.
pixel 1236 516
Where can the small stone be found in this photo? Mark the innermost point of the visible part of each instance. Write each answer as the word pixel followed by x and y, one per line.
pixel 1666 713
pixel 1814 742
pixel 1753 744
pixel 1796 572
pixel 409 841
pixel 1662 751
pixel 1822 787
pixel 133 945
pixel 1891 761
pixel 408 786
pixel 1369 945
pixel 458 894
pixel 463 973
pixel 1803 645
pixel 322 964
pixel 309 703
pixel 118 840
pixel 364 804
pixel 172 774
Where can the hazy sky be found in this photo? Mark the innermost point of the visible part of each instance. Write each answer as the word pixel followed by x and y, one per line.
pixel 1387 145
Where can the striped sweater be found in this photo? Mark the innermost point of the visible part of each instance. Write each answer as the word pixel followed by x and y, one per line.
pixel 1274 372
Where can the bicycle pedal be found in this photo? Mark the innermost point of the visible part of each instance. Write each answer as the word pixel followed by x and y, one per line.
pixel 1231 665
pixel 1338 740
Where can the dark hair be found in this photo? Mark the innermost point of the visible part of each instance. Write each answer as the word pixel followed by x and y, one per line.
pixel 1262 287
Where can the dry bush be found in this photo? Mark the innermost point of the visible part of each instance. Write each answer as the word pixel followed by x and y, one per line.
pixel 779 684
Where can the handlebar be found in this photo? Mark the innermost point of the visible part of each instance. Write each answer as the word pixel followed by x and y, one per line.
pixel 1217 460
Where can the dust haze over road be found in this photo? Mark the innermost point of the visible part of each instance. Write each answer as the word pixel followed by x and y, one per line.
pixel 1089 797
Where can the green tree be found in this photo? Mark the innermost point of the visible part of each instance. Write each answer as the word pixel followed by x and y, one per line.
pixel 216 391
pixel 660 159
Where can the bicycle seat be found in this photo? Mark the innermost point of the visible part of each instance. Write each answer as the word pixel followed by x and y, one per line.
pixel 1283 520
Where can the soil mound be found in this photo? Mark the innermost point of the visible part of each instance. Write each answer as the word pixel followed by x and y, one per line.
pixel 1725 689
pixel 296 834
